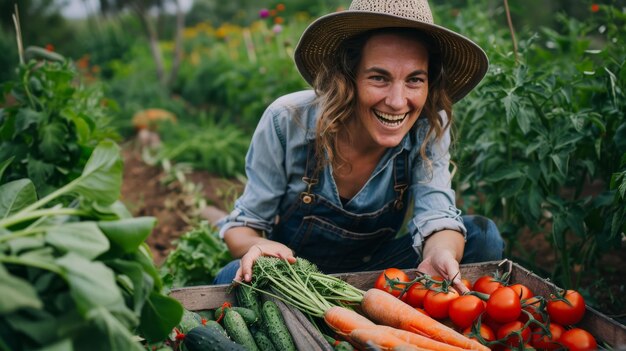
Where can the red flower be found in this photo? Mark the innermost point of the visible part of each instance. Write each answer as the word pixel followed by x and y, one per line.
pixel 50 47
pixel 595 7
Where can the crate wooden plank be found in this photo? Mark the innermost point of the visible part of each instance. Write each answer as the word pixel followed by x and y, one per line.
pixel 203 297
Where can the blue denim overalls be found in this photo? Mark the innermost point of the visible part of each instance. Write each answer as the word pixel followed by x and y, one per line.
pixel 337 240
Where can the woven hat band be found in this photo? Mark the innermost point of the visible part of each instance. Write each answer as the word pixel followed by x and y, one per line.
pixel 417 10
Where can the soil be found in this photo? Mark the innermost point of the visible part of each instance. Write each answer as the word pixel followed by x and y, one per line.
pixel 149 191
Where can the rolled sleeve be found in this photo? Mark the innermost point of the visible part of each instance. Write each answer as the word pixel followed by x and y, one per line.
pixel 434 200
pixel 266 180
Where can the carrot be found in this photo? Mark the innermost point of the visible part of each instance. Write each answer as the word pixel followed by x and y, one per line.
pixel 343 320
pixel 384 308
pixel 420 340
pixel 363 338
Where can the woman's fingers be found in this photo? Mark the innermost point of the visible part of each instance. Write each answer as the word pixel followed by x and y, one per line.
pixel 245 267
pixel 271 249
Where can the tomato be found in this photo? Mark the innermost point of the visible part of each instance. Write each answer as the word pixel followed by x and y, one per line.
pixel 532 306
pixel 566 314
pixel 486 284
pixel 542 341
pixel 414 296
pixel 513 333
pixel 577 339
pixel 465 310
pixel 485 332
pixel 382 283
pixel 436 303
pixel 504 305
pixel 522 291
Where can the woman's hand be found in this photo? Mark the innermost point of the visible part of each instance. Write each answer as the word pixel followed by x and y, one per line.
pixel 263 247
pixel 442 252
pixel 444 264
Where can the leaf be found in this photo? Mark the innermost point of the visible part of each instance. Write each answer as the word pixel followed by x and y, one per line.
pixel 159 316
pixel 52 140
pixel 15 196
pixel 61 345
pixel 92 284
pixel 511 172
pixel 511 106
pixel 101 179
pixel 115 336
pixel 82 238
pixel 128 233
pixel 561 162
pixel 16 293
pixel 4 165
pixel 26 117
pixel 142 283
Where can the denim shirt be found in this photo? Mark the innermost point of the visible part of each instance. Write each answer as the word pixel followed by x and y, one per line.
pixel 275 165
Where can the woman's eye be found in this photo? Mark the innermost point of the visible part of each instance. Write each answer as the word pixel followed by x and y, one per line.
pixel 416 80
pixel 377 78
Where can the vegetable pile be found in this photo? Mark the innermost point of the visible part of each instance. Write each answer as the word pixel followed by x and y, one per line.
pixel 426 313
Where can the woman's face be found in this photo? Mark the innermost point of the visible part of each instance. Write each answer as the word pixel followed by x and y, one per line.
pixel 392 86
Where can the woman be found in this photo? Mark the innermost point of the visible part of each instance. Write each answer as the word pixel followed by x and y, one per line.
pixel 334 172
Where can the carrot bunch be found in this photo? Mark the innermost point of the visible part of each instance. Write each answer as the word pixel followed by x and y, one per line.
pixel 384 320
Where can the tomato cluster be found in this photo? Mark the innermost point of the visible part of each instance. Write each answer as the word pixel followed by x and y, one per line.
pixel 500 315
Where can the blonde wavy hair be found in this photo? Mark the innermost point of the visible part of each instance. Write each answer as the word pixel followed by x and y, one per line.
pixel 335 86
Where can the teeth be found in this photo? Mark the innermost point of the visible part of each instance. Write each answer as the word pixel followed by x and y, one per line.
pixel 390 119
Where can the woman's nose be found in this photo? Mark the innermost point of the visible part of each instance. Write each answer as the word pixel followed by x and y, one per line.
pixel 396 96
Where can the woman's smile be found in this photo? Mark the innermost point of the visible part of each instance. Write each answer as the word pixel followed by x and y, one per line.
pixel 390 120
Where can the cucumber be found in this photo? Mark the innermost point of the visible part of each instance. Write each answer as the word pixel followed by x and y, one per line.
pixel 248 314
pixel 215 325
pixel 209 315
pixel 263 341
pixel 276 327
pixel 209 339
pixel 248 298
pixel 238 329
pixel 189 321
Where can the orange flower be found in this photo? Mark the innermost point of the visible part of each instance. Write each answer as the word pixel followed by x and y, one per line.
pixel 279 20
pixel 595 7
pixel 280 7
pixel 50 47
pixel 273 13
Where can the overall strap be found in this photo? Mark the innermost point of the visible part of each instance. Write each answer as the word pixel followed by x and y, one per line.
pixel 310 177
pixel 401 178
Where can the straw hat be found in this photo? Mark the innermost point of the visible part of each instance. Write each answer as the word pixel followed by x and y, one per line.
pixel 464 62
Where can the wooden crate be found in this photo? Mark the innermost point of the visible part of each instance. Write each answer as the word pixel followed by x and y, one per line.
pixel 600 326
pixel 308 338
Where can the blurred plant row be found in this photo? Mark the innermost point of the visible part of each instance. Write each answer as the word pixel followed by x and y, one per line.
pixel 541 143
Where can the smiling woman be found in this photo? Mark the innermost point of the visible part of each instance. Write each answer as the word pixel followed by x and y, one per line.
pixel 333 172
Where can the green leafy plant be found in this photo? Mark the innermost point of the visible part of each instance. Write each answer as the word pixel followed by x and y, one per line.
pixel 79 276
pixel 50 123
pixel 219 148
pixel 198 256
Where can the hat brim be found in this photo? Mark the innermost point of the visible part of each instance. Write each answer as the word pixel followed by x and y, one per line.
pixel 464 62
